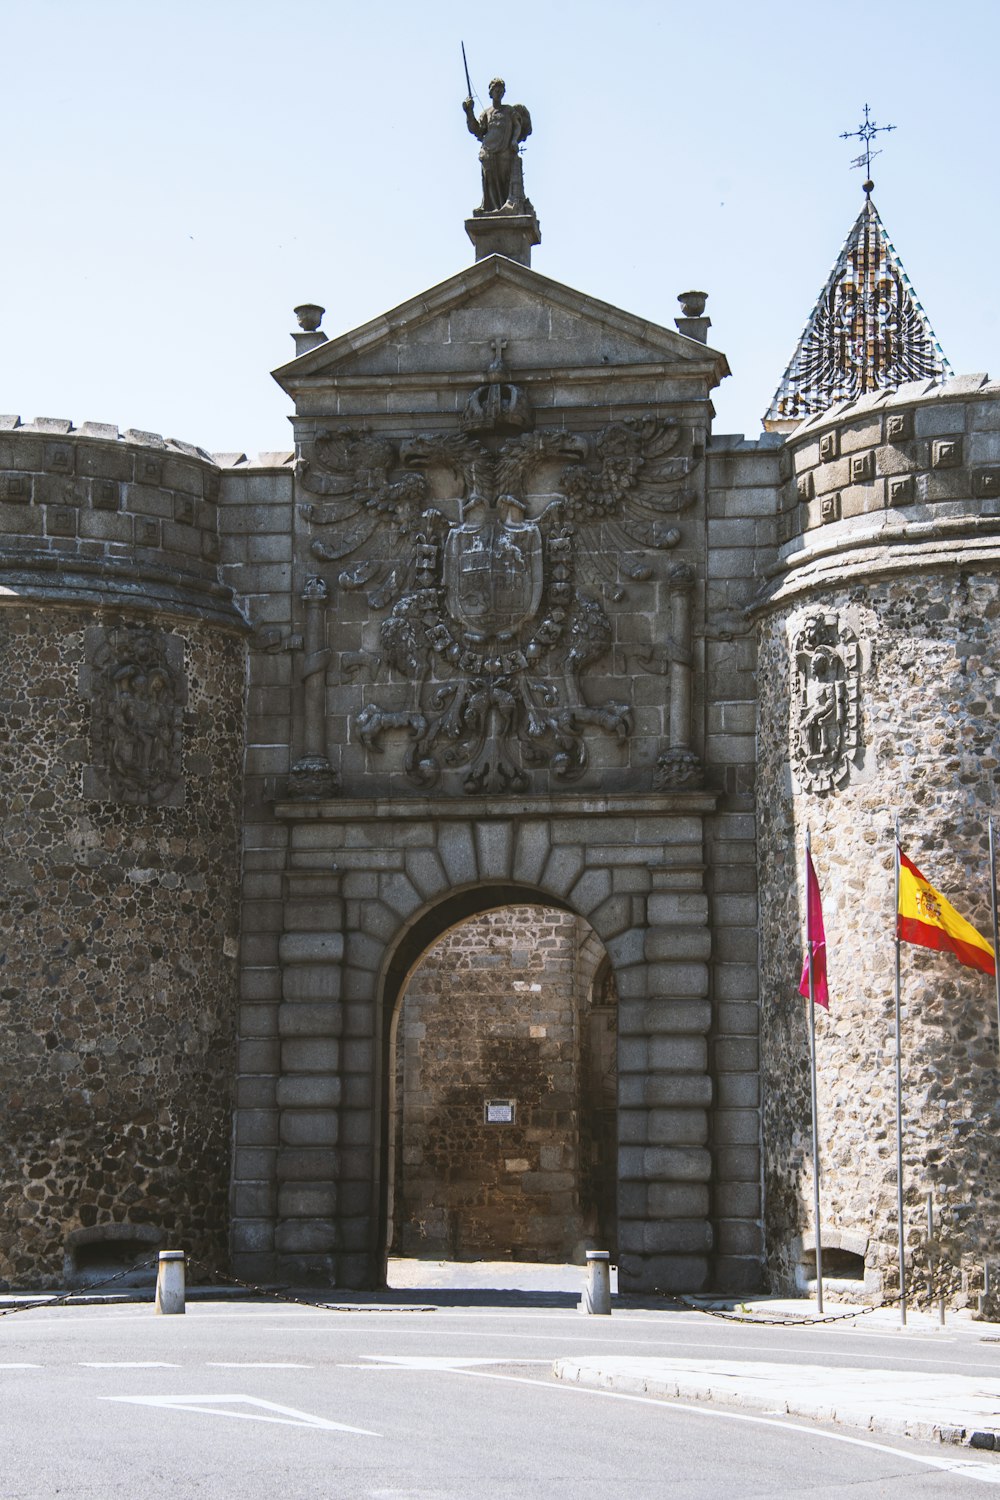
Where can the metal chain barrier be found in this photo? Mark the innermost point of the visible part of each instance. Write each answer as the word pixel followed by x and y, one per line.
pixel 799 1321
pixel 82 1291
pixel 282 1296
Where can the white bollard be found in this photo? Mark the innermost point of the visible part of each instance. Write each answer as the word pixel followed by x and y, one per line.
pixel 170 1282
pixel 597 1293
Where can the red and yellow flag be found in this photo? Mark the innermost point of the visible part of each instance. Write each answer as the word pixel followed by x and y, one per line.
pixel 928 920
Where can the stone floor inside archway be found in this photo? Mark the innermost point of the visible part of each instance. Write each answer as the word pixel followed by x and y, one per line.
pixel 406 1274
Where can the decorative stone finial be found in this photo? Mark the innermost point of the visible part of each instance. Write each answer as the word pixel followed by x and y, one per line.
pixel 692 303
pixel 694 324
pixel 310 316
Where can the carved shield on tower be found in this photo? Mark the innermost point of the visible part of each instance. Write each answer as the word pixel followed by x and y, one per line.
pixel 493 575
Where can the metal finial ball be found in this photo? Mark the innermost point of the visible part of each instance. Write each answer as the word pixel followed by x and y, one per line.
pixel 868 186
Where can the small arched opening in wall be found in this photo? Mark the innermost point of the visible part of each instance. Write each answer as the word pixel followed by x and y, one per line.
pixel 499 1123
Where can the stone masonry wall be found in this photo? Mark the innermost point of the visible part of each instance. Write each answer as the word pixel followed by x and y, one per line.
pixel 918 587
pixel 493 1011
pixel 117 970
pixel 743 480
pixel 121 697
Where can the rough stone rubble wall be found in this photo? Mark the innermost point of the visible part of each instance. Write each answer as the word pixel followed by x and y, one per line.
pixel 120 916
pixel 919 583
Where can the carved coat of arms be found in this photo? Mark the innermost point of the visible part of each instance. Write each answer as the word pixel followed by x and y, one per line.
pixel 489 564
pixel 825 732
pixel 135 676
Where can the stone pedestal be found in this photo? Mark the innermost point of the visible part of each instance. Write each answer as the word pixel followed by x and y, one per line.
pixel 504 234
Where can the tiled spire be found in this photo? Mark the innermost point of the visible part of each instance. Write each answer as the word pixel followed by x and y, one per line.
pixel 866 331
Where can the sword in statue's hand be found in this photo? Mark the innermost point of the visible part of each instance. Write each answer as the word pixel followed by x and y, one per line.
pixel 468 80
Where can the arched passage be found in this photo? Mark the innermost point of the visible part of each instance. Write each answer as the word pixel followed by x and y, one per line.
pixel 365 890
pixel 501 1090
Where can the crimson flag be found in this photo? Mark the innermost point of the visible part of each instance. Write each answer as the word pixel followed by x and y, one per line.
pixel 815 939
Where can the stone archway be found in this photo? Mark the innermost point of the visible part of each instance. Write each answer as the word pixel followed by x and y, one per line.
pixel 501 1093
pixel 366 888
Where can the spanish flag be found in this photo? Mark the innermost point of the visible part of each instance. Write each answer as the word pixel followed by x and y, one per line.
pixel 926 919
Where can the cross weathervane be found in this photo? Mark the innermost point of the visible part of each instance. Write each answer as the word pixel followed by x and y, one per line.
pixel 866 133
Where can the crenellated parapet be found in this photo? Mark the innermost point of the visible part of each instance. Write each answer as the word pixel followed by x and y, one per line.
pixel 91 514
pixel 872 483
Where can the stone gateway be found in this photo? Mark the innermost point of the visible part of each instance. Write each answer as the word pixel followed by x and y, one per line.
pixel 404 832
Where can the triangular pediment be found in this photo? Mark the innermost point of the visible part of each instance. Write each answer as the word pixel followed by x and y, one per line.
pixel 451 328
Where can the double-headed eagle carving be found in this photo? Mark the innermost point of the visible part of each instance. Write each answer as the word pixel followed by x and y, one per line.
pixel 490 566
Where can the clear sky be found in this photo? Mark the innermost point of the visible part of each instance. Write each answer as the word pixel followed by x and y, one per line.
pixel 178 176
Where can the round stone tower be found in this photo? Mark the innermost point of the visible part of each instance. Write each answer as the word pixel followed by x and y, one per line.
pixel 122 684
pixel 879 680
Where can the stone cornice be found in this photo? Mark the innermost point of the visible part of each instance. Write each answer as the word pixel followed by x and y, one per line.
pixel 473 809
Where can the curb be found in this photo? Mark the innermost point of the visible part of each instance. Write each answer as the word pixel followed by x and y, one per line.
pixel 700 1387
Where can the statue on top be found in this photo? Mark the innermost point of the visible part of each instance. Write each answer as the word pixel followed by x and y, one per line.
pixel 501 128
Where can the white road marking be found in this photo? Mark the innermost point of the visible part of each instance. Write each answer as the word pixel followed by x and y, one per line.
pixel 215 1406
pixel 14 1366
pixel 430 1362
pixel 127 1364
pixel 252 1364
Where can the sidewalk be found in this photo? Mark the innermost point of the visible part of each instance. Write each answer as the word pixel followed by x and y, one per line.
pixel 940 1407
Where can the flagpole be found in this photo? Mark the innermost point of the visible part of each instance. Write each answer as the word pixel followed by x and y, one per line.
pixel 899 1109
pixel 811 1002
pixel 996 936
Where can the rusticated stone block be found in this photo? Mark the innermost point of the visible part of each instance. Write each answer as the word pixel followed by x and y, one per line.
pixel 458 854
pixel 736 1127
pixel 310 1054
pixel 685 1200
pixel 304 982
pixel 677 1164
pixel 738 1163
pixel 677 908
pixel 670 1017
pixel 737 1200
pixel 105 494
pixel 902 489
pixel 946 452
pixel 675 944
pixel 740 1237
pixel 677 1127
pixel 666 1090
pixel 59 458
pixel 986 483
pixel 684 1236
pixel 253 1200
pixel 311 947
pixel 679 980
pixel 315 1020
pixel 309 1127
pixel 678 1054
pixel 60 520
pixel 663 1273
pixel 307 1200
pixel 305 1236
pixel 307 1164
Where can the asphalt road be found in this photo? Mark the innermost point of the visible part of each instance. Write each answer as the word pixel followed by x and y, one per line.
pixel 253 1399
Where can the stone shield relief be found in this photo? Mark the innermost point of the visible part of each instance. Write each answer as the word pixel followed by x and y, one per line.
pixel 487 562
pixel 830 655
pixel 136 683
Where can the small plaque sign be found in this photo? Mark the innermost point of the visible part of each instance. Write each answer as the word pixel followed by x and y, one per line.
pixel 499 1112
